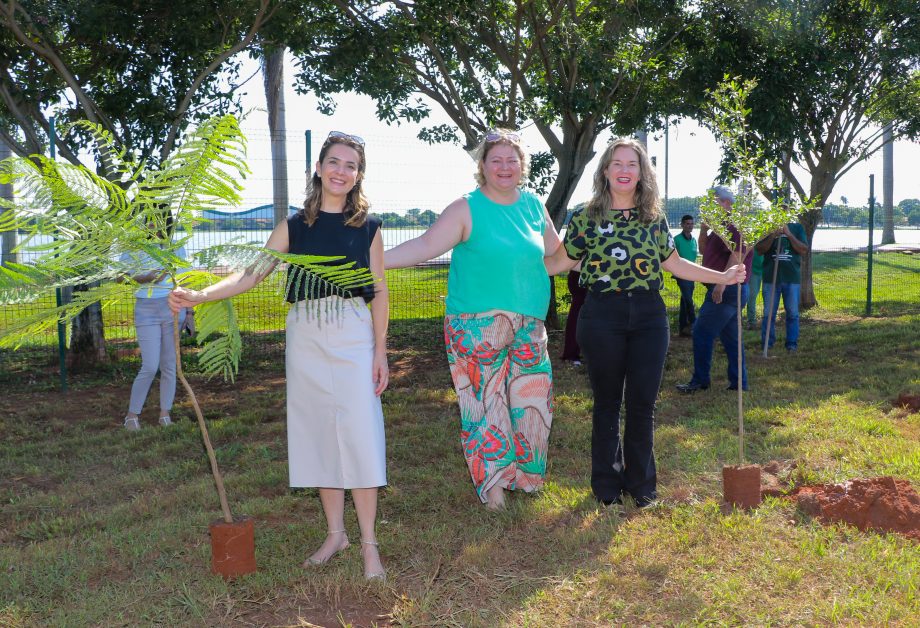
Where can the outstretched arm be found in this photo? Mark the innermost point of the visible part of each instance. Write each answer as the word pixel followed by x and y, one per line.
pixel 380 314
pixel 685 269
pixel 452 227
pixel 559 262
pixel 234 284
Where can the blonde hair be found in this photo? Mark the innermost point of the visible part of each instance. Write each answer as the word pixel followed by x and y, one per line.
pixel 646 199
pixel 356 203
pixel 507 138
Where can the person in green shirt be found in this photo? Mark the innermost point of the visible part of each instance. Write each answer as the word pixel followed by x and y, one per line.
pixel 497 299
pixel 687 248
pixel 754 287
pixel 783 248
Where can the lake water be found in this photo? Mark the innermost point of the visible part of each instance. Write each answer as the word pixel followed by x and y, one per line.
pixel 825 239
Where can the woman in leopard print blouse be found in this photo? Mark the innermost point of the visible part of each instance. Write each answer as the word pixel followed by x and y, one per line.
pixel 623 242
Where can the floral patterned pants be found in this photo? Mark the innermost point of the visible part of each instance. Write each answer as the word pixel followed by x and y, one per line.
pixel 503 379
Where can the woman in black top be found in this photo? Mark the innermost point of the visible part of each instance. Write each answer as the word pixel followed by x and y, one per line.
pixel 622 240
pixel 336 365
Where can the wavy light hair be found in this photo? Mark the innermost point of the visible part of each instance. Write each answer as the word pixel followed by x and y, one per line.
pixel 646 199
pixel 481 152
pixel 356 203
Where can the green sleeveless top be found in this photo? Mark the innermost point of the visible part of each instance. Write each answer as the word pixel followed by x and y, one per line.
pixel 500 266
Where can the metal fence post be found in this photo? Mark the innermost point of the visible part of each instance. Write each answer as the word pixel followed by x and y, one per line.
pixel 871 228
pixel 308 134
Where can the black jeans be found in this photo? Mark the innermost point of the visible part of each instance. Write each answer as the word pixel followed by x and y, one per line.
pixel 624 336
pixel 687 313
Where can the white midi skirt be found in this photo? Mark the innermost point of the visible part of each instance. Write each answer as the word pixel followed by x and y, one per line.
pixel 334 419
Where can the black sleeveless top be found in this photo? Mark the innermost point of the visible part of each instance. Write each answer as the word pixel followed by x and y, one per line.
pixel 329 235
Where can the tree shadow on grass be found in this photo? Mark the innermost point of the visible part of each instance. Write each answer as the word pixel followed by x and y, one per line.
pixel 823 261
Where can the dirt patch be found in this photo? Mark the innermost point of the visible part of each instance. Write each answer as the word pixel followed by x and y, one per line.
pixel 908 401
pixel 777 477
pixel 885 504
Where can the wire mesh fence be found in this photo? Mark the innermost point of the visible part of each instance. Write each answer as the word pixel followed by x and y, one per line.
pixel 420 292
pixel 839 247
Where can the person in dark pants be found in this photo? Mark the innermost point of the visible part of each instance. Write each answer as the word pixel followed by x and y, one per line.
pixel 622 240
pixel 687 249
pixel 571 352
pixel 718 316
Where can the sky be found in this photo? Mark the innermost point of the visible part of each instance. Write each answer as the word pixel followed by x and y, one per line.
pixel 403 172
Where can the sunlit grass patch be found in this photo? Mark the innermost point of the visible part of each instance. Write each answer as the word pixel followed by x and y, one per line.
pixel 102 527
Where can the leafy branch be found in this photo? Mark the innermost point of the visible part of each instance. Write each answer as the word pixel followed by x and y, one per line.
pixel 728 116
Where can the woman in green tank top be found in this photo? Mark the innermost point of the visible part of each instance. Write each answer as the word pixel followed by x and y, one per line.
pixel 497 297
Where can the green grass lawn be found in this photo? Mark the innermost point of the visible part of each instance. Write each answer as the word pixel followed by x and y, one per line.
pixel 840 285
pixel 103 527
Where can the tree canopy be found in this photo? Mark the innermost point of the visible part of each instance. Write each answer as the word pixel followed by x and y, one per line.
pixel 142 71
pixel 830 75
pixel 570 69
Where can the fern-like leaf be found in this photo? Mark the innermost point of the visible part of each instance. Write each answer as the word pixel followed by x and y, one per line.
pixel 80 225
pixel 220 354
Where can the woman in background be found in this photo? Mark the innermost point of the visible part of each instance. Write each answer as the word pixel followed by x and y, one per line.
pixel 153 322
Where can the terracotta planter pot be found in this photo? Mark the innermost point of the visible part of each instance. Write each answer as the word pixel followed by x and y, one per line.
pixel 741 485
pixel 233 547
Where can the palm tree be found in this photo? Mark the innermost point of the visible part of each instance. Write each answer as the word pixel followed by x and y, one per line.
pixel 273 74
pixel 888 185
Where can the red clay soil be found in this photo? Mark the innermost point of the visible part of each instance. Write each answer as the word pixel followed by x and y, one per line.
pixel 884 504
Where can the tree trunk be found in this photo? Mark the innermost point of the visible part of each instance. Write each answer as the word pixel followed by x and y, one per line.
pixel 642 136
pixel 888 185
pixel 6 193
pixel 87 337
pixel 552 315
pixel 810 221
pixel 573 154
pixel 273 73
pixel 823 178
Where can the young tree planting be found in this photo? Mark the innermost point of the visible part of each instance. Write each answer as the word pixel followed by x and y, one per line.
pixel 728 117
pixel 86 222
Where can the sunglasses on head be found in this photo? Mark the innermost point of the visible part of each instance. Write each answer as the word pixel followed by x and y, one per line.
pixel 346 136
pixel 494 136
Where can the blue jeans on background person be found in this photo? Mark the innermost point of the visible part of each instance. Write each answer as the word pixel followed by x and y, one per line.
pixel 718 320
pixel 753 292
pixel 790 293
pixel 687 313
pixel 154 324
